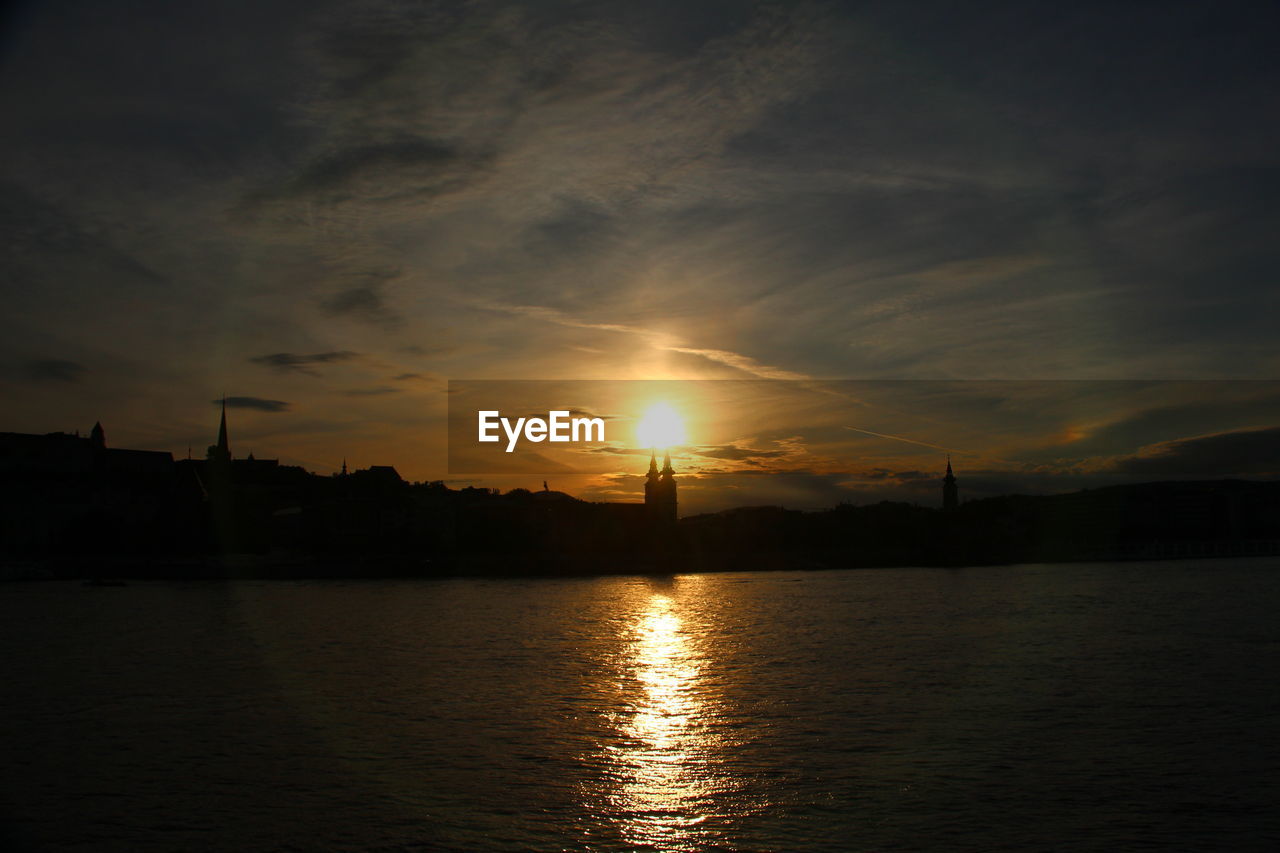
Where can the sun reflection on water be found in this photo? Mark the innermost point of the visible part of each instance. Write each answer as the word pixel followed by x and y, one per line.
pixel 663 762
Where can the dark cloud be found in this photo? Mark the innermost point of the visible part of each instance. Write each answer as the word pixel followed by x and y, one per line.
pixel 54 370
pixel 1243 453
pixel 256 403
pixel 294 362
pixel 365 300
pixel 1211 407
pixel 392 171
pixel 338 170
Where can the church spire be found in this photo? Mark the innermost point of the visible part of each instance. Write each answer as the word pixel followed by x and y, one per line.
pixel 221 452
pixel 653 465
pixel 950 494
pixel 667 470
pixel 224 447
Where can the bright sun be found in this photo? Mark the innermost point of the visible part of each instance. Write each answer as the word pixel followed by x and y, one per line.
pixel 660 427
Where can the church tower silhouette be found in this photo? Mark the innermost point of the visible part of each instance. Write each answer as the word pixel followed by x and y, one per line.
pixel 221 452
pixel 660 490
pixel 950 495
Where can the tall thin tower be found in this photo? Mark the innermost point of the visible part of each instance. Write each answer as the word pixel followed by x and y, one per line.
pixel 950 495
pixel 221 452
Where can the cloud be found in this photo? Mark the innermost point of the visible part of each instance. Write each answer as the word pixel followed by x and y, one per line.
pixel 657 339
pixel 734 453
pixel 1213 407
pixel 375 168
pixel 738 361
pixel 293 362
pixel 365 300
pixel 507 102
pixel 1240 453
pixel 617 450
pixel 372 392
pixel 573 411
pixel 257 403
pixel 54 370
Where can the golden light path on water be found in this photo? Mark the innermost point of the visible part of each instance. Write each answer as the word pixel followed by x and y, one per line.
pixel 665 762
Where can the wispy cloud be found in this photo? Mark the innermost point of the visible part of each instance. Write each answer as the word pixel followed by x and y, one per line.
pixel 259 404
pixel 55 370
pixel 1239 453
pixel 662 341
pixel 297 363
pixel 372 392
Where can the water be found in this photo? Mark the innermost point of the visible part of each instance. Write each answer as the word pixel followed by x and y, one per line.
pixel 1084 707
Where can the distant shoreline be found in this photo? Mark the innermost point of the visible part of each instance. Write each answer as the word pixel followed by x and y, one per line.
pixel 387 567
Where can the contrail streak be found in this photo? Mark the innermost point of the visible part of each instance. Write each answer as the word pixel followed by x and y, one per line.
pixel 907 440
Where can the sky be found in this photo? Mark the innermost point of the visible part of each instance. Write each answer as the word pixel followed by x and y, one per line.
pixel 1021 214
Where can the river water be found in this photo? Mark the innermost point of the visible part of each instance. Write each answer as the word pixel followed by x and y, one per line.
pixel 1069 707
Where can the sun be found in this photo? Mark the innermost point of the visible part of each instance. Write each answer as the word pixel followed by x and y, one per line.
pixel 660 427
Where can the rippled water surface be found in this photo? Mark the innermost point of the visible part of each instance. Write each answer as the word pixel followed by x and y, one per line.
pixel 1086 707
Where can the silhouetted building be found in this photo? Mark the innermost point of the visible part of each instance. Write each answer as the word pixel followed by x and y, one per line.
pixel 950 495
pixel 63 493
pixel 240 500
pixel 60 453
pixel 660 490
pixel 221 452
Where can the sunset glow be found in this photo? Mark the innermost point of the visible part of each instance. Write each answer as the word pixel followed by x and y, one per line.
pixel 661 427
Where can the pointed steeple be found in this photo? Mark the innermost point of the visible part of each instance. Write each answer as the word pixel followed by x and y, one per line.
pixel 344 466
pixel 98 437
pixel 221 452
pixel 653 465
pixel 950 494
pixel 224 448
pixel 667 470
